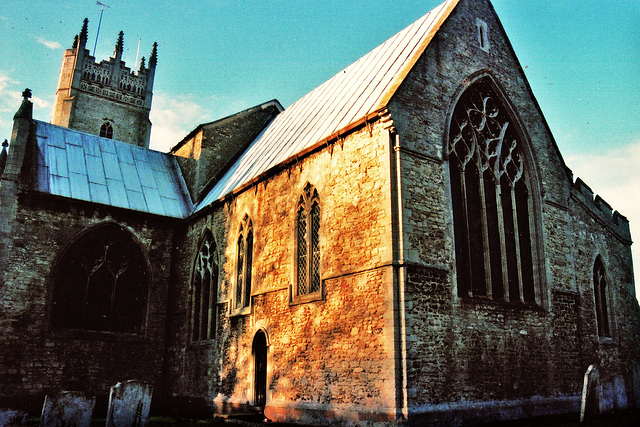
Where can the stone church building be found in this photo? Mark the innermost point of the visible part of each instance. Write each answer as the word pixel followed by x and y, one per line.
pixel 403 244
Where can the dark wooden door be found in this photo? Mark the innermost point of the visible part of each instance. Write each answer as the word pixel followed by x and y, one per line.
pixel 260 361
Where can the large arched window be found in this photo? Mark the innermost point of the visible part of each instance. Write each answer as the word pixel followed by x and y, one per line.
pixel 244 264
pixel 492 207
pixel 106 130
pixel 308 243
pixel 600 294
pixel 204 291
pixel 101 283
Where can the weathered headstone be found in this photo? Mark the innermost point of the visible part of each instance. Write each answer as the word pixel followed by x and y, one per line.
pixel 591 394
pixel 13 417
pixel 129 404
pixel 67 409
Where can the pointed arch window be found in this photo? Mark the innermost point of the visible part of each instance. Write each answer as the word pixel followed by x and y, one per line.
pixel 106 130
pixel 204 291
pixel 101 283
pixel 307 283
pixel 244 265
pixel 491 199
pixel 600 293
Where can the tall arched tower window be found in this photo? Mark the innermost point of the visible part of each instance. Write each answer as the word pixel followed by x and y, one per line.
pixel 492 207
pixel 204 290
pixel 308 243
pixel 106 130
pixel 101 283
pixel 600 294
pixel 244 264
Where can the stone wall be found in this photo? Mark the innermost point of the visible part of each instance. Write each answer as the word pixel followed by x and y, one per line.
pixel 333 355
pixel 130 124
pixel 34 358
pixel 465 356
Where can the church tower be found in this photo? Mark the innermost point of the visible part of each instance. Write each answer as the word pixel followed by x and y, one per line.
pixel 106 98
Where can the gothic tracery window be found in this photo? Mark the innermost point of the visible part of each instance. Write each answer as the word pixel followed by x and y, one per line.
pixel 308 243
pixel 204 291
pixel 101 283
pixel 600 293
pixel 106 130
pixel 244 264
pixel 491 199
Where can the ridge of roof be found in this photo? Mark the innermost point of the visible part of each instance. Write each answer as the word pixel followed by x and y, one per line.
pixel 274 102
pixel 362 88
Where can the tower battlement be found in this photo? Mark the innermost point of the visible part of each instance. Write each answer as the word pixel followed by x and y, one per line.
pixel 601 209
pixel 105 98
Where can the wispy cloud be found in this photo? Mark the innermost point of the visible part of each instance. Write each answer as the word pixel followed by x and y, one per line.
pixel 9 102
pixel 613 174
pixel 48 43
pixel 10 98
pixel 173 117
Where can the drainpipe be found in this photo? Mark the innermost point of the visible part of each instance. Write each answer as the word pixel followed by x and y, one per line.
pixel 399 273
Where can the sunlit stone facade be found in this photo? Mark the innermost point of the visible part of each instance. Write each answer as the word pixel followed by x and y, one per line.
pixel 332 287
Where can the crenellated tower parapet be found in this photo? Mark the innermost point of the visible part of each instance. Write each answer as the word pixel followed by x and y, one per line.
pixel 92 95
pixel 600 209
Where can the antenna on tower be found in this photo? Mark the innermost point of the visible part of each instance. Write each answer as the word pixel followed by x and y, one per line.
pixel 137 51
pixel 102 6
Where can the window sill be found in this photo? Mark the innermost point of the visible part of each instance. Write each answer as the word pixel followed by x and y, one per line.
pixel 608 341
pixel 303 299
pixel 244 311
pixel 516 305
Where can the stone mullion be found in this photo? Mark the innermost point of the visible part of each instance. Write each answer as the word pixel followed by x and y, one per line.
pixel 485 233
pixel 503 243
pixel 212 303
pixel 465 211
pixel 201 311
pixel 516 235
pixel 309 245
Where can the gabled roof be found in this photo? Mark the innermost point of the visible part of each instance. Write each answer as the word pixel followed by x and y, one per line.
pixel 347 99
pixel 87 167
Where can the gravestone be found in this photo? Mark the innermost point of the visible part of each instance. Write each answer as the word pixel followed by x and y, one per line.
pixel 129 404
pixel 591 394
pixel 67 409
pixel 12 417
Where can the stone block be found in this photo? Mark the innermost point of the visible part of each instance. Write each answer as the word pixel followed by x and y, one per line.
pixel 129 404
pixel 67 409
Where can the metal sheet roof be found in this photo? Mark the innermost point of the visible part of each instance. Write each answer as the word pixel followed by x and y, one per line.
pixel 87 167
pixel 361 89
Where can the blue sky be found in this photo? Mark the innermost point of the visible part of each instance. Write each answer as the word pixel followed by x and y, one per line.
pixel 581 57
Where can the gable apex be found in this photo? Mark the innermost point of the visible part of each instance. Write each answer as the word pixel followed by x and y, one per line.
pixel 355 94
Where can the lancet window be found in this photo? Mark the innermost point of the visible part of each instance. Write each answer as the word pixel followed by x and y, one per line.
pixel 244 264
pixel 600 292
pixel 492 207
pixel 204 291
pixel 106 130
pixel 101 283
pixel 308 243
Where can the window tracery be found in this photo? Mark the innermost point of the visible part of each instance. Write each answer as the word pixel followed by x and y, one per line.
pixel 204 291
pixel 491 199
pixel 244 264
pixel 101 283
pixel 308 243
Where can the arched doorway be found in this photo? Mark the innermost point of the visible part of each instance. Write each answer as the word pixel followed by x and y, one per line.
pixel 260 369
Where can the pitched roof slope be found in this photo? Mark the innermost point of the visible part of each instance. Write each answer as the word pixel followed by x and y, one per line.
pixel 352 95
pixel 86 167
